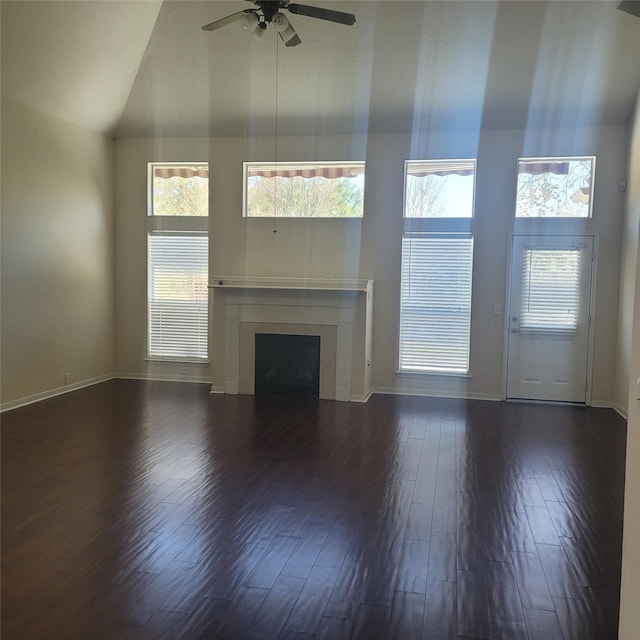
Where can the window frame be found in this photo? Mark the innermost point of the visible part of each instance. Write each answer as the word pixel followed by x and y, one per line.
pixel 437 227
pixel 282 165
pixel 564 219
pixel 186 226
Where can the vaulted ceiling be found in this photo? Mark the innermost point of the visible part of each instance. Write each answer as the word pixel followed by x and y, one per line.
pixel 145 68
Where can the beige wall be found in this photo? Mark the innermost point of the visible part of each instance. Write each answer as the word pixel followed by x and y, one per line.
pixel 370 248
pixel 57 254
pixel 628 374
pixel 628 268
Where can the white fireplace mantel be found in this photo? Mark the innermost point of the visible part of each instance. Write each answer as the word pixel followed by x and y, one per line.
pixel 340 306
pixel 295 284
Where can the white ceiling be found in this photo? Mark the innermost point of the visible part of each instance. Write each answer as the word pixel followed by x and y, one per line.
pixel 136 68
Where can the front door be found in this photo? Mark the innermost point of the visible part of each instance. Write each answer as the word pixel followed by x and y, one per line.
pixel 549 318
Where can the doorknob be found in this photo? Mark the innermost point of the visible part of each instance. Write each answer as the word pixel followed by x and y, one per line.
pixel 514 319
pixel 514 331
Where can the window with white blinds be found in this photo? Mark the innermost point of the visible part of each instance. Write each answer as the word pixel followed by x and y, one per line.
pixel 435 308
pixel 437 260
pixel 550 290
pixel 177 291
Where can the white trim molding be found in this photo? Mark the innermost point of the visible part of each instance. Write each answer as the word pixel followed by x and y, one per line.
pixel 430 393
pixel 159 377
pixel 52 393
pixel 286 303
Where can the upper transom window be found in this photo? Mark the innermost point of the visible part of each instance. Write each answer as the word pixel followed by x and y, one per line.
pixel 555 187
pixel 303 189
pixel 439 188
pixel 178 189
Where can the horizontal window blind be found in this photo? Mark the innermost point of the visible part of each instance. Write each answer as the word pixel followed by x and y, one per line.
pixel 550 290
pixel 177 291
pixel 435 309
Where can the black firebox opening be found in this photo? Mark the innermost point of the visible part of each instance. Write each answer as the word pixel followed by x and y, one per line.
pixel 287 365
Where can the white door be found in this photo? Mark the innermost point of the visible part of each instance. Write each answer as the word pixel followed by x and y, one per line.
pixel 549 313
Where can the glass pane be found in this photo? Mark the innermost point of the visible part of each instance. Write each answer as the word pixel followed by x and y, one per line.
pixel 439 189
pixel 554 188
pixel 180 190
pixel 177 292
pixel 550 290
pixel 435 308
pixel 305 190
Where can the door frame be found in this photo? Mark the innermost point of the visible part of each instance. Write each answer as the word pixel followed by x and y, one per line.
pixel 514 236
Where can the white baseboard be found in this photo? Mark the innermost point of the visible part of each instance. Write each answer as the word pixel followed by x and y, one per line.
pixel 361 398
pixel 162 378
pixel 611 405
pixel 428 393
pixel 620 411
pixel 52 393
pixel 425 393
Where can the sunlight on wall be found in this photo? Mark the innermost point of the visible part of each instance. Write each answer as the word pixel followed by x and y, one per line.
pixel 569 76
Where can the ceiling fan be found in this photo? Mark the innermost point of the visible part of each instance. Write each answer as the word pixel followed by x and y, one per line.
pixel 268 12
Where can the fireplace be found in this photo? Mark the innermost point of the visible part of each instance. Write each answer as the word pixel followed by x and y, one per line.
pixel 338 312
pixel 287 364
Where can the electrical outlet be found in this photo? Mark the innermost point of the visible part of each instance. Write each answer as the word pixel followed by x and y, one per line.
pixel 497 309
pixel 67 378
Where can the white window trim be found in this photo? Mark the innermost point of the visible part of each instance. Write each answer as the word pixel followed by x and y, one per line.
pixel 439 225
pixel 150 167
pixel 292 166
pixel 533 221
pixel 452 227
pixel 171 225
pixel 439 369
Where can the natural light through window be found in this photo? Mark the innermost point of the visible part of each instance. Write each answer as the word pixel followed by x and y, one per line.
pixel 550 291
pixel 439 189
pixel 304 190
pixel 179 189
pixel 177 261
pixel 555 187
pixel 437 266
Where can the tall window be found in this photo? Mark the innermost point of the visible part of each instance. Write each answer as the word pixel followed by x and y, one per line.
pixel 555 187
pixel 437 260
pixel 177 263
pixel 304 189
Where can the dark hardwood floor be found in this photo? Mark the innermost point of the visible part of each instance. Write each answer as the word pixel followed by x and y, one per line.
pixel 156 510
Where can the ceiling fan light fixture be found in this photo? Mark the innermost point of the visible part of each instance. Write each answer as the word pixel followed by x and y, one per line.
pixel 280 22
pixel 258 34
pixel 249 22
pixel 255 21
pixel 285 30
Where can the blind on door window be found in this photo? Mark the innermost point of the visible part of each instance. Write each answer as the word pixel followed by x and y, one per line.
pixel 177 291
pixel 550 290
pixel 435 308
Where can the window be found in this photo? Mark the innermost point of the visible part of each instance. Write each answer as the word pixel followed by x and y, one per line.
pixel 555 187
pixel 177 261
pixel 439 189
pixel 550 290
pixel 304 190
pixel 437 261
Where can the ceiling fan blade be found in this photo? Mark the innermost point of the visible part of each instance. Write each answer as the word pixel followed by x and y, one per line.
pixel 292 42
pixel 223 22
pixel 324 14
pixel 630 6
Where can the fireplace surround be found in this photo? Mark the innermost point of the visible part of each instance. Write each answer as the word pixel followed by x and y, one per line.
pixel 339 311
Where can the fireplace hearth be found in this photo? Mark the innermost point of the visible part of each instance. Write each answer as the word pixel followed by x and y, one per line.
pixel 287 364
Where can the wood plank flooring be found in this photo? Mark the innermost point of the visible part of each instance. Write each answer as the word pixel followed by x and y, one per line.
pixel 136 510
